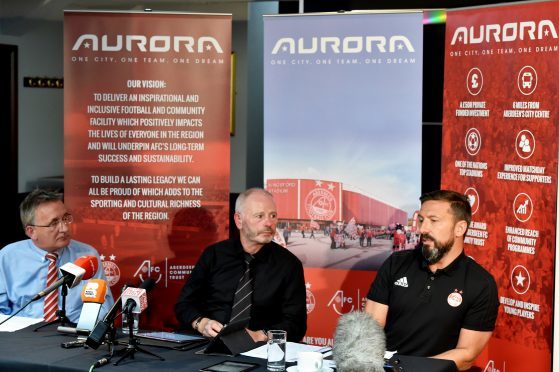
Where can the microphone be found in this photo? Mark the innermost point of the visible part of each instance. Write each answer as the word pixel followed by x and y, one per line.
pixel 359 343
pixel 72 274
pixel 95 339
pixel 134 300
pixel 93 297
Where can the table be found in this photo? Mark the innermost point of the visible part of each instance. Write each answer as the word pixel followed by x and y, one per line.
pixel 26 350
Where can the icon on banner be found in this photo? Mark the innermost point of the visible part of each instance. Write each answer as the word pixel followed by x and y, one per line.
pixel 520 279
pixel 522 207
pixel 311 302
pixel 527 80
pixel 145 271
pixel 490 367
pixel 339 302
pixel 111 269
pixel 525 144
pixel 474 81
pixel 473 198
pixel 473 141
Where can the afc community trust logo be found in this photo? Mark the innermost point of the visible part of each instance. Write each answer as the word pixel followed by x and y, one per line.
pixel 320 203
pixel 340 302
pixel 163 272
pixel 490 367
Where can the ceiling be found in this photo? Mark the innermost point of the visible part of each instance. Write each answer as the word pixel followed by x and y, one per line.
pixel 53 10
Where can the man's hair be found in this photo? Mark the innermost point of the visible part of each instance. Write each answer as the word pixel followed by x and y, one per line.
pixel 459 203
pixel 35 198
pixel 241 199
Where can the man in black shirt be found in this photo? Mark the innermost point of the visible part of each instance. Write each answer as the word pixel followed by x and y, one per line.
pixel 435 301
pixel 279 294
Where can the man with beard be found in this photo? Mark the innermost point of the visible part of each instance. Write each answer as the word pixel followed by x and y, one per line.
pixel 277 299
pixel 434 301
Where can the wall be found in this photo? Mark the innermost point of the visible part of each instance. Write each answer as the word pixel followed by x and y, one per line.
pixel 255 88
pixel 239 139
pixel 41 148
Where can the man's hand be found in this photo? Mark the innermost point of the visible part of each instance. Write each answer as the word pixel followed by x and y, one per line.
pixel 209 327
pixel 257 335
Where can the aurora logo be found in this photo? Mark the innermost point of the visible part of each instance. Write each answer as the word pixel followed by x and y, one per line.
pixel 346 45
pixel 504 33
pixel 142 43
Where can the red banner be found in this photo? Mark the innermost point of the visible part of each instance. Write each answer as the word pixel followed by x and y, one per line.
pixel 146 125
pixel 500 149
pixel 331 294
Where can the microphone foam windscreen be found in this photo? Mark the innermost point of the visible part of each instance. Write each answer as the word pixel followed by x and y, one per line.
pixel 359 343
pixel 89 264
pixel 148 284
pixel 94 291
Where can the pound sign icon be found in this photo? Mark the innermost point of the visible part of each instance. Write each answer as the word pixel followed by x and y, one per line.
pixel 474 81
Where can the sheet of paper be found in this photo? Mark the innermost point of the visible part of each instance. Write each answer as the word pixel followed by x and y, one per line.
pixel 17 323
pixel 389 354
pixel 291 350
pixel 328 363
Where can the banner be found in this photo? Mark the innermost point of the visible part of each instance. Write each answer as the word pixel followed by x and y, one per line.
pixel 342 148
pixel 500 149
pixel 146 126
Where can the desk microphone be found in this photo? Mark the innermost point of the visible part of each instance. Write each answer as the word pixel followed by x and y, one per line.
pixel 134 300
pixel 98 334
pixel 93 297
pixel 359 343
pixel 72 274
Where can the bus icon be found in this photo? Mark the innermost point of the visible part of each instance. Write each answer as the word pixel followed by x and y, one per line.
pixel 527 79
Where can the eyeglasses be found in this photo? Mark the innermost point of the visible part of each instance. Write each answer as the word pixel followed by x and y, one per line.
pixel 66 220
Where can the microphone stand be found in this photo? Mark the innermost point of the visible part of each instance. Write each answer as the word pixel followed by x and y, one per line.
pixel 60 313
pixel 111 339
pixel 132 346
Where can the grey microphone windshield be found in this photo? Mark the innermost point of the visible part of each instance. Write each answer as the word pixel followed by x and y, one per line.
pixel 359 344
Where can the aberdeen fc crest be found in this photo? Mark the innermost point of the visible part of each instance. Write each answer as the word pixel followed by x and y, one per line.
pixel 320 204
pixel 111 269
pixel 311 302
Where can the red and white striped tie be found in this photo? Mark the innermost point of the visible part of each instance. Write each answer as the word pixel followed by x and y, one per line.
pixel 51 300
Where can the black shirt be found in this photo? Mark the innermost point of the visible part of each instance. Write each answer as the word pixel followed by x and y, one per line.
pixel 427 310
pixel 278 300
